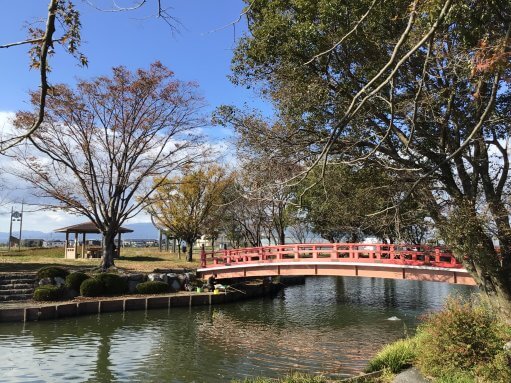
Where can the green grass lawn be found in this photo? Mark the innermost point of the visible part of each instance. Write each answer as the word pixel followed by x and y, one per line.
pixel 132 259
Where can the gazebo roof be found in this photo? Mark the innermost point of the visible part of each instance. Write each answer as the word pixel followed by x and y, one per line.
pixel 87 227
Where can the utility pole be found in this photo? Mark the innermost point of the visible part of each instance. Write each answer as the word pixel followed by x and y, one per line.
pixel 21 224
pixel 10 230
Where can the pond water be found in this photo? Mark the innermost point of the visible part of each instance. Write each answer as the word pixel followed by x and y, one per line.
pixel 329 325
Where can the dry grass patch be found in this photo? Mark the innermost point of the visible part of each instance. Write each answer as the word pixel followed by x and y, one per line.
pixel 132 259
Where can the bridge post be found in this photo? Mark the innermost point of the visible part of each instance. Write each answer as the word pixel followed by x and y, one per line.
pixel 392 251
pixel 333 253
pixel 437 254
pixel 353 254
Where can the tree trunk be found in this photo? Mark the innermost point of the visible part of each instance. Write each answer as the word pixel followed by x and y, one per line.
pixel 282 237
pixel 190 251
pixel 474 248
pixel 107 260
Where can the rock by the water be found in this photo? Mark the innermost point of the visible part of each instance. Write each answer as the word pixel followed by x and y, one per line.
pixel 393 318
pixel 154 277
pixel 45 281
pixel 191 276
pixel 175 285
pixel 412 375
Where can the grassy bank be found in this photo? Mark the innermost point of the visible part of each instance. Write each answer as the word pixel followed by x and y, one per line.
pixel 132 259
pixel 463 343
pixel 386 377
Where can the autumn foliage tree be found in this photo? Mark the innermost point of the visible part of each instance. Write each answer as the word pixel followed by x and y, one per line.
pixel 190 205
pixel 102 144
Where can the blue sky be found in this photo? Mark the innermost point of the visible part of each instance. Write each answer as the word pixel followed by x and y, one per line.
pixel 133 39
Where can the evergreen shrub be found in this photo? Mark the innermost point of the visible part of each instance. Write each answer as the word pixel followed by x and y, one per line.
pixel 52 272
pixel 92 288
pixel 48 293
pixel 113 284
pixel 74 280
pixel 153 287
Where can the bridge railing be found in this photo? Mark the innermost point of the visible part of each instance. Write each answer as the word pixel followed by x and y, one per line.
pixel 416 255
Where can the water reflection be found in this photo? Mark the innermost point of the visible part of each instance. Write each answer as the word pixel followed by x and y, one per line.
pixel 329 325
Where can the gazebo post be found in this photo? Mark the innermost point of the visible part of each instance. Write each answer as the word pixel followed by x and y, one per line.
pixel 76 245
pixel 66 244
pixel 83 245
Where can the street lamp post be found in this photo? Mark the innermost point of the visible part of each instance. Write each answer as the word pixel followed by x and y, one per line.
pixel 15 216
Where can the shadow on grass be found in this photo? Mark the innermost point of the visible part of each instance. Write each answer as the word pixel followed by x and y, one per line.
pixel 141 258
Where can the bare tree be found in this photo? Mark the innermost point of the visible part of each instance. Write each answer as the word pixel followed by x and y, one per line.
pixel 62 26
pixel 104 143
pixel 262 177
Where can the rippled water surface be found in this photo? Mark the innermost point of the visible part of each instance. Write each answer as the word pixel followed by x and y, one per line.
pixel 329 325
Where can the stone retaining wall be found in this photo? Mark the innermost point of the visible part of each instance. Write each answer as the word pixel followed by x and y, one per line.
pixel 127 303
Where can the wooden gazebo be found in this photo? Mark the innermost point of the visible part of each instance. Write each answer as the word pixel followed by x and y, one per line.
pixel 71 252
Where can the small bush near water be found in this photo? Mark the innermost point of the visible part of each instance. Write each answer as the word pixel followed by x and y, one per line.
pixel 74 280
pixel 48 293
pixel 52 272
pixel 105 284
pixel 463 343
pixel 92 288
pixel 113 283
pixel 465 337
pixel 152 287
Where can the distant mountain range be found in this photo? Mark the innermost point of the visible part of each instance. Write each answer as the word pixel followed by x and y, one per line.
pixel 140 231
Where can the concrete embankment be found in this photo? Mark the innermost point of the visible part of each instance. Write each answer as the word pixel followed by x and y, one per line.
pixel 34 311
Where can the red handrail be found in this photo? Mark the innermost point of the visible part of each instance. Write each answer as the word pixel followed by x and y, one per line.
pixel 377 253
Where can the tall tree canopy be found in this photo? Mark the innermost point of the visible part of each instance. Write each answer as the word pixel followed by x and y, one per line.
pixel 340 203
pixel 421 87
pixel 103 143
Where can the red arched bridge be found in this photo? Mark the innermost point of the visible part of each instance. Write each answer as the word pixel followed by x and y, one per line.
pixel 414 262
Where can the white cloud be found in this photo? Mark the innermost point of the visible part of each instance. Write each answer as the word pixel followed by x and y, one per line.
pixel 14 191
pixel 6 127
